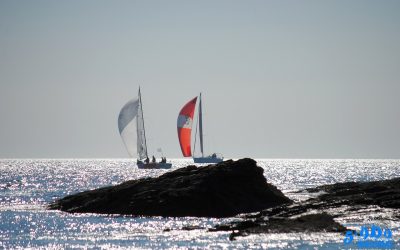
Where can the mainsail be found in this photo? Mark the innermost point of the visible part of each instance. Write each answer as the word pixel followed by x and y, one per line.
pixel 184 124
pixel 141 134
pixel 129 129
pixel 201 127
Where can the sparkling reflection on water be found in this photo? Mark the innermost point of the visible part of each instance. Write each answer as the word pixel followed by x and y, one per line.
pixel 27 186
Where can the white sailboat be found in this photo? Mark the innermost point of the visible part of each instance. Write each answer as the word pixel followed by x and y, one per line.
pixel 133 134
pixel 184 124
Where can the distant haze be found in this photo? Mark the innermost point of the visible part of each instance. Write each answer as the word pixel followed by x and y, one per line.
pixel 280 79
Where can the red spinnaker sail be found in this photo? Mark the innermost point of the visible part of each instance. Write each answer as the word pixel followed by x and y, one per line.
pixel 184 124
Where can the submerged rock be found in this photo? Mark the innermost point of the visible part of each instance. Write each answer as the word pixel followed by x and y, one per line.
pixel 222 190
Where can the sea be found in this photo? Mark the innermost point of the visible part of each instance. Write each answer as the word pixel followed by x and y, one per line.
pixel 27 186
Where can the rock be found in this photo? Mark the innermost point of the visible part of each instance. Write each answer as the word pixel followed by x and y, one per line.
pixel 222 190
pixel 296 217
pixel 385 193
pixel 190 228
pixel 321 222
pixel 355 195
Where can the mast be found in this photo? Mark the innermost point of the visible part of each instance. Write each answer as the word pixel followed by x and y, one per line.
pixel 144 130
pixel 201 127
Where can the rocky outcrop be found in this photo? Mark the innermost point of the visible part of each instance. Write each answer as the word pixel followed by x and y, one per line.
pixel 308 216
pixel 321 222
pixel 222 190
pixel 385 193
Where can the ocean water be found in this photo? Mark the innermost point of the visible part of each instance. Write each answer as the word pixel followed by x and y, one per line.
pixel 28 186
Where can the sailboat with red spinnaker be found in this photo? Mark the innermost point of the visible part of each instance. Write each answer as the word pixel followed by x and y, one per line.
pixel 184 126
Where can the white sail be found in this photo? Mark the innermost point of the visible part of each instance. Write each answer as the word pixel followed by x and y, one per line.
pixel 132 130
pixel 127 125
pixel 141 135
pixel 133 134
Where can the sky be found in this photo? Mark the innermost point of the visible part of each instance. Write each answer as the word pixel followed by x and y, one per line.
pixel 279 79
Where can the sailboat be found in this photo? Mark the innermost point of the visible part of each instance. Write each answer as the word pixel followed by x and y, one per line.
pixel 133 134
pixel 184 125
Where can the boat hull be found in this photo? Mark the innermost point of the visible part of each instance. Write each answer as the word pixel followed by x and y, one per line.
pixel 209 159
pixel 154 165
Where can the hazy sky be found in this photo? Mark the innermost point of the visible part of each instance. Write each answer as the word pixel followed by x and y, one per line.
pixel 280 79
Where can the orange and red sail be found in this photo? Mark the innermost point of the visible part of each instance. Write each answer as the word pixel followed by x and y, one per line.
pixel 184 124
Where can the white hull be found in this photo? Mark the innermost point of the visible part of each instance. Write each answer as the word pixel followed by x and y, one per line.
pixel 208 159
pixel 154 165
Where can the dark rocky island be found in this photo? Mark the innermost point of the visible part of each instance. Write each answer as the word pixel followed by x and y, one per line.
pixel 222 190
pixel 231 188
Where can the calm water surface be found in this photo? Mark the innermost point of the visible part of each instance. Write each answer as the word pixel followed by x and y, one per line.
pixel 28 186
